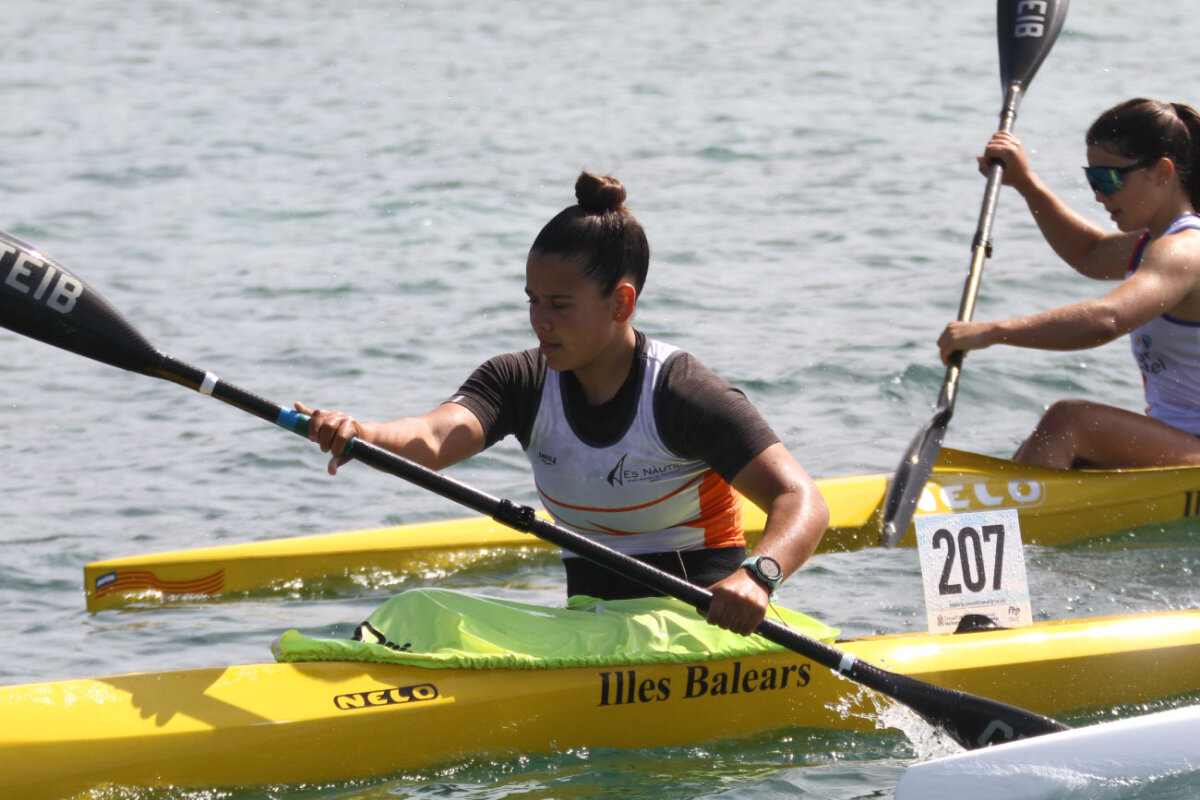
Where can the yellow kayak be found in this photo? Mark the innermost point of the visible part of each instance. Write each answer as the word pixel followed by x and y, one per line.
pixel 277 723
pixel 1054 506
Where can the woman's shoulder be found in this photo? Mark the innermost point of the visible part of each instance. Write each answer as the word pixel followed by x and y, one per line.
pixel 1182 223
pixel 1179 245
pixel 686 380
pixel 1168 275
pixel 506 375
pixel 503 393
pixel 702 415
pixel 685 374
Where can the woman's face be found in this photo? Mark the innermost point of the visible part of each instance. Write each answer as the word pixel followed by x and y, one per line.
pixel 1131 205
pixel 573 321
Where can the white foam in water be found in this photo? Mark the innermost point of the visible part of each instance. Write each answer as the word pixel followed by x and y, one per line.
pixel 927 741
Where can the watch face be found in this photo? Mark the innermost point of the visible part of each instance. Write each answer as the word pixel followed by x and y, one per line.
pixel 769 568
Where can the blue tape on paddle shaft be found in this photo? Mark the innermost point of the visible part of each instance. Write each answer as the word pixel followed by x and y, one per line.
pixel 293 420
pixel 297 422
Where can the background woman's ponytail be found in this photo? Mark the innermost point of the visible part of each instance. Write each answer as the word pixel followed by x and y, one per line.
pixel 1191 175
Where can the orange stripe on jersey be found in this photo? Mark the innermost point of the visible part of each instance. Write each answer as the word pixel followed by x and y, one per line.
pixel 619 509
pixel 720 513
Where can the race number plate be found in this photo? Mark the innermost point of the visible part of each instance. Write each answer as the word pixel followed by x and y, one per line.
pixel 973 564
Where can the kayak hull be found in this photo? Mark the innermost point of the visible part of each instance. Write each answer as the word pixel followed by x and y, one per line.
pixel 1054 506
pixel 331 721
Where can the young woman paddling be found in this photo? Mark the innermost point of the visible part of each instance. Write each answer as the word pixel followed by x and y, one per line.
pixel 632 442
pixel 1144 165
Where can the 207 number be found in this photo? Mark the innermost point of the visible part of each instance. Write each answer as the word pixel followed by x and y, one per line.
pixel 967 551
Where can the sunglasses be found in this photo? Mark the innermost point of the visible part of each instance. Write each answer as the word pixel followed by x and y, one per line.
pixel 1110 180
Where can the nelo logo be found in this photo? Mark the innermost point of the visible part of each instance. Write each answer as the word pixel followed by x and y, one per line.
pixel 386 697
pixel 982 495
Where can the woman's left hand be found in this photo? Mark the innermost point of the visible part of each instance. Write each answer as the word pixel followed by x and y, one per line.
pixel 960 335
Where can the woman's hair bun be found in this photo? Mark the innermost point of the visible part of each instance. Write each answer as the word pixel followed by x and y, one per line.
pixel 599 192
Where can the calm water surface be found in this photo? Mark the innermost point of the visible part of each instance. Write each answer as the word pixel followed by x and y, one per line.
pixel 333 202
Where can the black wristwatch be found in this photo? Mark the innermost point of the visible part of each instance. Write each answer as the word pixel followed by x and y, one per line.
pixel 766 570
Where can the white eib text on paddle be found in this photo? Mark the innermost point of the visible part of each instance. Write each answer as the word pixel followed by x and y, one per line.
pixel 1031 19
pixel 29 275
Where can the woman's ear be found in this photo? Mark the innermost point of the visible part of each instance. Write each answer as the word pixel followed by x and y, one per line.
pixel 1164 170
pixel 624 301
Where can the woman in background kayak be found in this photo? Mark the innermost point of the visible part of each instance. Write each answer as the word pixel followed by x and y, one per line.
pixel 1144 165
pixel 633 443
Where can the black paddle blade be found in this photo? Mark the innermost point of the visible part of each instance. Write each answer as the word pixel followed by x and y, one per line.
pixel 970 720
pixel 910 478
pixel 41 299
pixel 1026 29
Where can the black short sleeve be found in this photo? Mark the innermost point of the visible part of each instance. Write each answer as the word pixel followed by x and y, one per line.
pixel 700 415
pixel 503 393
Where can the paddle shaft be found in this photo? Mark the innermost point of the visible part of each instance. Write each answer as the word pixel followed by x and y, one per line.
pixel 917 464
pixel 41 299
pixel 972 721
pixel 981 250
pixel 1027 30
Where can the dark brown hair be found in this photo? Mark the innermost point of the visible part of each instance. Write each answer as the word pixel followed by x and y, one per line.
pixel 600 234
pixel 1145 130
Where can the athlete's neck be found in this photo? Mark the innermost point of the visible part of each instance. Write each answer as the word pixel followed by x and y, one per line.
pixel 603 377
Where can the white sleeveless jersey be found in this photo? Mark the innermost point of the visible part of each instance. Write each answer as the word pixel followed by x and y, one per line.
pixel 1167 351
pixel 635 495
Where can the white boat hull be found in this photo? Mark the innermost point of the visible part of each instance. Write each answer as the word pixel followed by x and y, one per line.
pixel 1108 760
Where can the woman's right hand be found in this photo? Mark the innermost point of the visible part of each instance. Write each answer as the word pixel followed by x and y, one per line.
pixel 1008 148
pixel 332 430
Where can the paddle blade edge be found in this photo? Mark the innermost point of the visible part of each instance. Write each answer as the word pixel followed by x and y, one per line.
pixel 910 478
